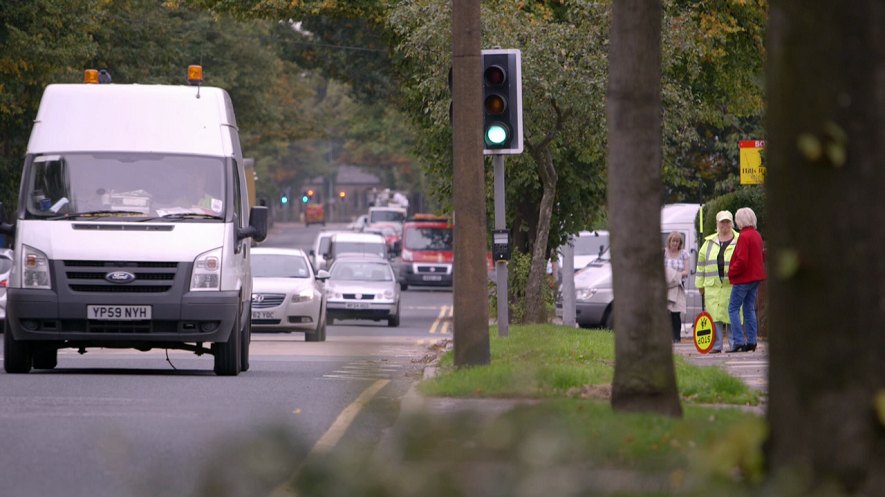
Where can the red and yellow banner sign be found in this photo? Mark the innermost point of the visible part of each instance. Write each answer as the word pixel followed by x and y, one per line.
pixel 752 166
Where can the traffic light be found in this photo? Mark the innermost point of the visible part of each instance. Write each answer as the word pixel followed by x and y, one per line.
pixel 342 195
pixel 284 199
pixel 305 198
pixel 502 101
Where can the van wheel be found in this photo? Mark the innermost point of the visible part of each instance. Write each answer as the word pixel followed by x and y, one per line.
pixel 46 358
pixel 247 341
pixel 227 354
pixel 16 354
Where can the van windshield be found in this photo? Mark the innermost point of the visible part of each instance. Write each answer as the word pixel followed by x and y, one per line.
pixel 382 216
pixel 428 239
pixel 108 186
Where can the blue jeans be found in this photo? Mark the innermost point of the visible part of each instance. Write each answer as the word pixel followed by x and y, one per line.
pixel 743 295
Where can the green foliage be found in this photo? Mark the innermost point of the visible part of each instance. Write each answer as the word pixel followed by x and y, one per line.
pixel 517 279
pixel 747 196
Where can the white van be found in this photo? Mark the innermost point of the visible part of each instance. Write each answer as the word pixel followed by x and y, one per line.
pixel 133 227
pixel 593 284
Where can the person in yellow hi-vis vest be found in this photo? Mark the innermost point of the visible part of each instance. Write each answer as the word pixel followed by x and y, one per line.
pixel 711 277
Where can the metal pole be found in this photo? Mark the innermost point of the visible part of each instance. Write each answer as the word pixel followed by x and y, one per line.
pixel 568 283
pixel 501 266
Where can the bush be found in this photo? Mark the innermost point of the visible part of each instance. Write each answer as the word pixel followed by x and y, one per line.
pixel 517 280
pixel 747 196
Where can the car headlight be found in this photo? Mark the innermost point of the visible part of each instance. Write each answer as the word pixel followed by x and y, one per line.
pixel 206 275
pixel 585 293
pixel 35 269
pixel 305 295
pixel 389 294
pixel 331 293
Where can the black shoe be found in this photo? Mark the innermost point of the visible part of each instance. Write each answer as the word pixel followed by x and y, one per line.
pixel 750 347
pixel 715 351
pixel 737 348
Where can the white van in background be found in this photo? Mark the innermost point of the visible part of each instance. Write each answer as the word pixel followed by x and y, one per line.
pixel 133 227
pixel 593 283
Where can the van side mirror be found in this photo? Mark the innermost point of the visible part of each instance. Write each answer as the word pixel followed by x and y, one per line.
pixel 257 228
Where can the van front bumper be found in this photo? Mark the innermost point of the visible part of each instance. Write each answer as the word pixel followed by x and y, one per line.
pixel 189 317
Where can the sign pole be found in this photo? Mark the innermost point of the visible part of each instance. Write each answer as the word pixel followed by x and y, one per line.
pixel 501 265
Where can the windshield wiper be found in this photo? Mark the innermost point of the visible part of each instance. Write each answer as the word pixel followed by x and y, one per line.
pixel 100 213
pixel 186 215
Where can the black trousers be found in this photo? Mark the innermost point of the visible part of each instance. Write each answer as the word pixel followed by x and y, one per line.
pixel 676 319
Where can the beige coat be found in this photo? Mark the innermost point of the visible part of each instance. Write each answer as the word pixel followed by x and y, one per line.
pixel 675 290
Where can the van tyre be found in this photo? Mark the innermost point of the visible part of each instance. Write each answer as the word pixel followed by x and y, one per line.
pixel 247 341
pixel 16 353
pixel 46 358
pixel 228 354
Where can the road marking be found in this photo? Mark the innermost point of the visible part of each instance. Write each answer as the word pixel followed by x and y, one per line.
pixel 439 319
pixel 332 436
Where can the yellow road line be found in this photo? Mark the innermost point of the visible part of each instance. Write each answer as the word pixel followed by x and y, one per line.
pixel 333 435
pixel 439 319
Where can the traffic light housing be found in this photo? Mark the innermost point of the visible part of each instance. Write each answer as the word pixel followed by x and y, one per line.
pixel 305 198
pixel 284 199
pixel 502 101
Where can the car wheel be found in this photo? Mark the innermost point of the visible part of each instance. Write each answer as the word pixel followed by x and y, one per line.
pixel 16 353
pixel 404 286
pixel 393 320
pixel 46 358
pixel 608 320
pixel 227 354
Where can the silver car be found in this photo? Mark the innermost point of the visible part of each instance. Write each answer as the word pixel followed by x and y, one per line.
pixel 362 287
pixel 286 294
pixel 5 268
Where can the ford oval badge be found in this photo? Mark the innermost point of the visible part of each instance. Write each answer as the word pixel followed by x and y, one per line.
pixel 120 277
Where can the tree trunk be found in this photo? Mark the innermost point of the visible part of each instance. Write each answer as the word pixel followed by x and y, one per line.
pixel 536 311
pixel 644 378
pixel 826 208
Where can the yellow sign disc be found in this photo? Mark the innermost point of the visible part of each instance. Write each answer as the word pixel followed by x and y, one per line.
pixel 704 332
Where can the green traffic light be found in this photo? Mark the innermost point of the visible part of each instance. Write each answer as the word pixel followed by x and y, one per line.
pixel 496 134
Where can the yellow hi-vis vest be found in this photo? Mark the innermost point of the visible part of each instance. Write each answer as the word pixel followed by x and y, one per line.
pixel 717 292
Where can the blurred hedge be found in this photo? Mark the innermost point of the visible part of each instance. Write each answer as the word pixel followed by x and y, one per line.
pixel 747 196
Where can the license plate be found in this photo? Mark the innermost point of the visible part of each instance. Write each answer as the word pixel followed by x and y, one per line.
pixel 356 305
pixel 432 277
pixel 262 315
pixel 118 312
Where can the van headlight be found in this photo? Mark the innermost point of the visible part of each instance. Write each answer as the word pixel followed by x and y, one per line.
pixel 35 269
pixel 585 293
pixel 206 275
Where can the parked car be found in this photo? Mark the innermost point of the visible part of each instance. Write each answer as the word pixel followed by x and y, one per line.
pixel 363 287
pixel 593 283
pixel 5 268
pixel 286 294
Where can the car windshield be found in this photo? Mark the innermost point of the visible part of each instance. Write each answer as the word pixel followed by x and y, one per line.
pixel 279 266
pixel 107 186
pixel 590 244
pixel 5 264
pixel 379 249
pixel 428 239
pixel 361 271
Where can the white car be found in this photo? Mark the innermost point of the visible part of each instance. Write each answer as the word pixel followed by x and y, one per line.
pixel 286 294
pixel 363 287
pixel 5 268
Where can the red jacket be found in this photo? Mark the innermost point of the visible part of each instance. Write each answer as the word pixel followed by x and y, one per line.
pixel 748 261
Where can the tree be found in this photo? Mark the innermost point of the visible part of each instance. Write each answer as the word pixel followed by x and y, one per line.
pixel 826 150
pixel 645 377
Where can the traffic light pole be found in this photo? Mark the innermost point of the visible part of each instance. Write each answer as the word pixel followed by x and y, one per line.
pixel 501 272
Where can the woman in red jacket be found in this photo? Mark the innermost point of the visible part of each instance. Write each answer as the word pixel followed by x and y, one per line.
pixel 746 271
